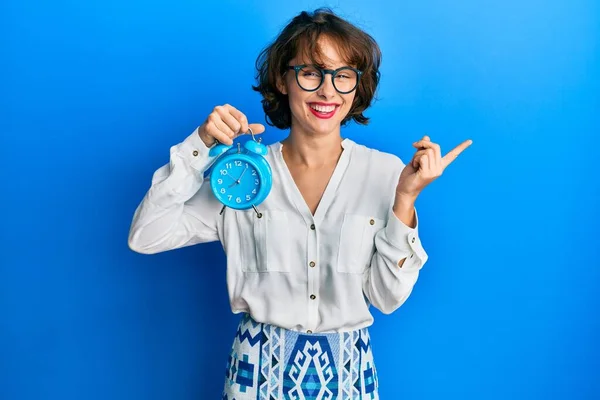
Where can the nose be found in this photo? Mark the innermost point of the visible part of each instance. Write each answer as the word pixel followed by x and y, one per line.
pixel 327 90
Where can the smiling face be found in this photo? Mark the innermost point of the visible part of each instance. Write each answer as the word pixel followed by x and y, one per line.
pixel 321 112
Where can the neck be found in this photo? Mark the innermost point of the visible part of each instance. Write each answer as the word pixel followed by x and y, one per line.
pixel 311 151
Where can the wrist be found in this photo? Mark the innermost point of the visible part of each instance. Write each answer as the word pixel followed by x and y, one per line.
pixel 405 199
pixel 206 140
pixel 404 209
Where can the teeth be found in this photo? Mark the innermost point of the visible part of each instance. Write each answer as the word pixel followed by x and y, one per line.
pixel 323 109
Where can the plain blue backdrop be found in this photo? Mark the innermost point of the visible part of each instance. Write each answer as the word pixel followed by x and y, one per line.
pixel 94 93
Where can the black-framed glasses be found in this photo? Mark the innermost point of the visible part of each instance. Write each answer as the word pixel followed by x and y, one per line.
pixel 311 77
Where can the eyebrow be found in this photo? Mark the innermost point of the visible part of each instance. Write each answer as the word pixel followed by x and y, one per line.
pixel 325 66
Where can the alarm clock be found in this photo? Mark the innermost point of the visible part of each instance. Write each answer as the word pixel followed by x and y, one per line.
pixel 241 177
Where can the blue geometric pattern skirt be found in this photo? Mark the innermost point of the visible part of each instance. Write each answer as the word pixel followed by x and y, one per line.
pixel 267 362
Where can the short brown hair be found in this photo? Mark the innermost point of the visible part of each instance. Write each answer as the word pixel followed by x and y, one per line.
pixel 357 48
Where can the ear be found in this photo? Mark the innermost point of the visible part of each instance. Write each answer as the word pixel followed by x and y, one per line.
pixel 282 85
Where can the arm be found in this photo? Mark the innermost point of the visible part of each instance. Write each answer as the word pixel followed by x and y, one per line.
pixel 399 254
pixel 397 260
pixel 178 209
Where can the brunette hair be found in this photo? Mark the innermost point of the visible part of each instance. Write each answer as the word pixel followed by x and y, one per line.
pixel 356 47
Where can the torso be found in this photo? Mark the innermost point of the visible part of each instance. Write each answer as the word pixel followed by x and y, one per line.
pixel 269 269
pixel 311 183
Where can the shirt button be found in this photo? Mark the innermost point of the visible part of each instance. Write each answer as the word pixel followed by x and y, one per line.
pixel 372 221
pixel 413 240
pixel 312 297
pixel 309 331
pixel 195 153
pixel 312 226
pixel 312 264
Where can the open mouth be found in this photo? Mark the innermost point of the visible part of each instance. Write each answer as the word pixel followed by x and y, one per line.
pixel 323 110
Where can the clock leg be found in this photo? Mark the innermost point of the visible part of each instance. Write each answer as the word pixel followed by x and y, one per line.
pixel 258 214
pixel 222 209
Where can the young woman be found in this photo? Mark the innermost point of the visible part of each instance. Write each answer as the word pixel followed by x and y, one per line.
pixel 337 233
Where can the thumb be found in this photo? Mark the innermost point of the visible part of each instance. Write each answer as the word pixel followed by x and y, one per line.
pixel 257 128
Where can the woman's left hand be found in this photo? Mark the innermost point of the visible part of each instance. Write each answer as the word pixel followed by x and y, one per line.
pixel 426 165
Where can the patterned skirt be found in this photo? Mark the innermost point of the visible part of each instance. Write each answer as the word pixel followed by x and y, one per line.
pixel 267 362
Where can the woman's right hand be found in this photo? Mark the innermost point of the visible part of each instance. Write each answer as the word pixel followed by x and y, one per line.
pixel 224 124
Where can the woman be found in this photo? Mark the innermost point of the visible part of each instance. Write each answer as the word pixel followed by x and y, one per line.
pixel 338 231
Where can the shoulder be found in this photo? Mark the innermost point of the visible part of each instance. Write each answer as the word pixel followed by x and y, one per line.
pixel 376 158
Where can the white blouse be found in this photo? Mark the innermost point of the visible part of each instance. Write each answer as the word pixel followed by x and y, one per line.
pixel 311 273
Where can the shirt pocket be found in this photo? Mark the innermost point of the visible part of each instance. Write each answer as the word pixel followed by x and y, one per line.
pixel 357 243
pixel 264 241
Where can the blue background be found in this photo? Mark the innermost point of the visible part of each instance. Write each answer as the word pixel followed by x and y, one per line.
pixel 94 93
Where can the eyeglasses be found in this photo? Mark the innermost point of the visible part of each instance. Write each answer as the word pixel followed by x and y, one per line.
pixel 311 77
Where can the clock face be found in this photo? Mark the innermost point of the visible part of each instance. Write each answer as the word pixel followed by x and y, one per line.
pixel 236 182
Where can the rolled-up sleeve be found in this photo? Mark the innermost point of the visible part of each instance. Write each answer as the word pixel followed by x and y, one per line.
pixel 178 209
pixel 386 284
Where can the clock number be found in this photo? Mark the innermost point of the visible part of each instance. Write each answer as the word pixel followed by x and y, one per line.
pixel 236 167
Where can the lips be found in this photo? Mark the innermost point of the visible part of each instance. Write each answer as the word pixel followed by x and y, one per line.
pixel 323 110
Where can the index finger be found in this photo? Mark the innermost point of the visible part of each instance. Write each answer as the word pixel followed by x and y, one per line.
pixel 241 118
pixel 452 154
pixel 245 126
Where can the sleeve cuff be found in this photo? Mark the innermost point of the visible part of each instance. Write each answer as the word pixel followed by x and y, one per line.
pixel 195 152
pixel 404 237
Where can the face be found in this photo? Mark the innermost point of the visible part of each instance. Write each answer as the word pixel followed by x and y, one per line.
pixel 321 112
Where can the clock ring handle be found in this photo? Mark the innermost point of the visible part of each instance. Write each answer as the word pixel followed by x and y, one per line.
pixel 252 134
pixel 249 131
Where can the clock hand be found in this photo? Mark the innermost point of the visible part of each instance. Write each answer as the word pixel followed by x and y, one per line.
pixel 238 181
pixel 227 174
pixel 231 177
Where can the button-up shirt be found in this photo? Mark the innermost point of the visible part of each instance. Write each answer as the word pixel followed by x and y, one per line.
pixel 290 268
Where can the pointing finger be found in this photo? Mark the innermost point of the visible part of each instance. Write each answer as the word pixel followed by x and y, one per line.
pixel 452 154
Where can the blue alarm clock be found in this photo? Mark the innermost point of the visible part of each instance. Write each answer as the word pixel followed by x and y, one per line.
pixel 241 177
